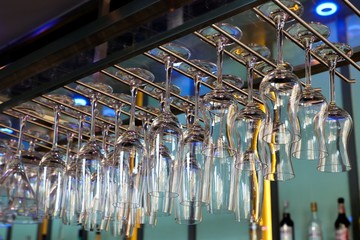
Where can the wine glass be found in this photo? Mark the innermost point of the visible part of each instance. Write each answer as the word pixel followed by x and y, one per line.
pixel 91 176
pixel 336 121
pixel 281 89
pixel 247 124
pixel 18 200
pixel 165 132
pixel 217 106
pixel 189 209
pixel 110 172
pixel 50 175
pixel 248 121
pixel 312 104
pixel 70 202
pixel 217 103
pixel 129 157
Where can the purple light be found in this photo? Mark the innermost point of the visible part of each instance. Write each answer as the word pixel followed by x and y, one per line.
pixel 44 28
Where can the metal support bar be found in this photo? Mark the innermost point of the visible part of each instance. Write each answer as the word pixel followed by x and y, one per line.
pixel 259 13
pixel 352 7
pixel 321 37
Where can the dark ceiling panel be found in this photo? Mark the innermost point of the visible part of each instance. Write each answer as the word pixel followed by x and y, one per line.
pixel 17 17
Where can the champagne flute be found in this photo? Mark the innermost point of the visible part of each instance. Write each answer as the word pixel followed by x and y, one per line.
pixel 312 104
pixel 336 121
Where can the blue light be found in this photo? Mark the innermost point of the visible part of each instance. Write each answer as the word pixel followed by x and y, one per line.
pixel 79 101
pixel 6 130
pixel 108 112
pixel 326 9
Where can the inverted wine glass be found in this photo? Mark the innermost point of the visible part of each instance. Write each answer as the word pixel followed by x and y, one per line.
pixel 217 103
pixel 337 122
pixel 249 120
pixel 17 197
pixel 50 175
pixel 91 175
pixel 166 134
pixel 281 89
pixel 129 157
pixel 312 104
pixel 248 123
pixel 217 106
pixel 110 169
pixel 30 158
pixel 191 167
pixel 70 203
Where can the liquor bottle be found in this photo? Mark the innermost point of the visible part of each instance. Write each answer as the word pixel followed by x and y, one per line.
pixel 314 228
pixel 342 223
pixel 286 224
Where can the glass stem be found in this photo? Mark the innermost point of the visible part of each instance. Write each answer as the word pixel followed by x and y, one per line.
pixel 93 107
pixel 220 61
pixel 23 120
pixel 104 136
pixel 117 109
pixel 332 66
pixel 307 45
pixel 70 137
pixel 197 83
pixel 81 121
pixel 168 70
pixel 56 126
pixel 279 21
pixel 250 74
pixel 132 110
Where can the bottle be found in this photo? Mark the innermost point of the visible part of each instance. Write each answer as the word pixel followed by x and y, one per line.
pixel 314 228
pixel 342 223
pixel 286 224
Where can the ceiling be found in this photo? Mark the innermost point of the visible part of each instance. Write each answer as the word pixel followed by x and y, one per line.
pixel 20 18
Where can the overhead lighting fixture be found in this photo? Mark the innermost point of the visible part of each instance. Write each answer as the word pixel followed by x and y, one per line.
pixel 79 101
pixel 6 130
pixel 326 9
